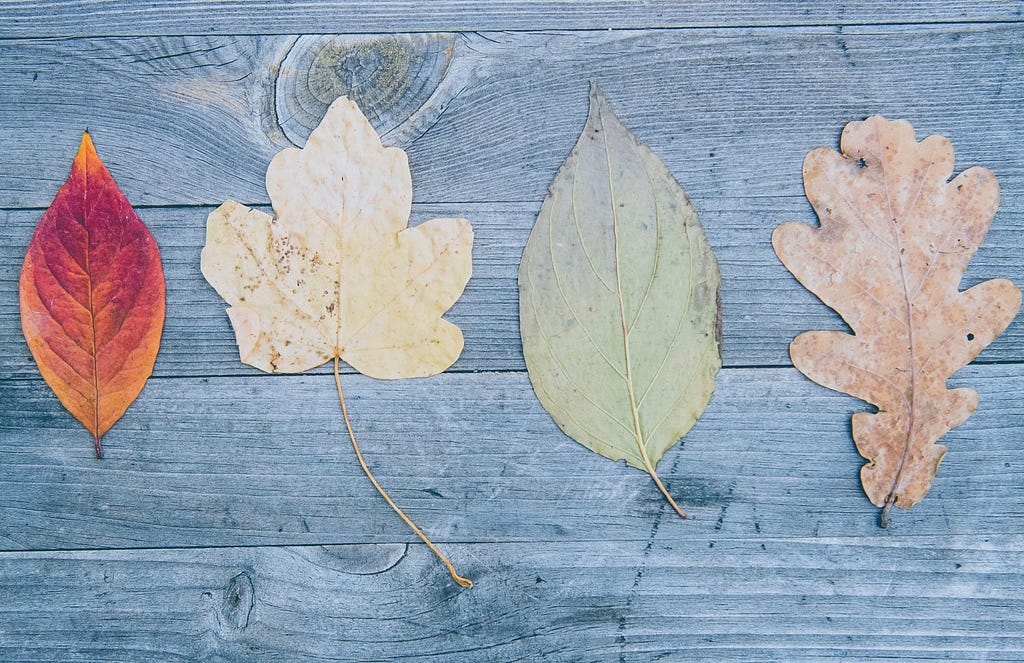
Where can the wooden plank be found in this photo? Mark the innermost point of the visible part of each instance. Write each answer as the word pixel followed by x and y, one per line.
pixel 276 547
pixel 472 457
pixel 124 17
pixel 195 120
pixel 764 307
pixel 671 597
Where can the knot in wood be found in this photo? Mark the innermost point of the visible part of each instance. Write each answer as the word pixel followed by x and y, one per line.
pixel 391 77
pixel 237 602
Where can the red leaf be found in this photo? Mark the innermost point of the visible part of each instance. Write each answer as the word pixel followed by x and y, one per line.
pixel 92 296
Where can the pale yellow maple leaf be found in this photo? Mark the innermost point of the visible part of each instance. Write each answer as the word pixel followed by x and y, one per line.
pixel 337 273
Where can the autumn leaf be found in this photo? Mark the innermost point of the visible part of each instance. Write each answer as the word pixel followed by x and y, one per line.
pixel 619 300
pixel 894 241
pixel 337 275
pixel 92 297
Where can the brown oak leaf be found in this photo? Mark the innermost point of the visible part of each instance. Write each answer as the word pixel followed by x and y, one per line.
pixel 895 238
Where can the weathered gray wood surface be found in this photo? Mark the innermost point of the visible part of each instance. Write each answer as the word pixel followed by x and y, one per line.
pixel 265 460
pixel 668 598
pixel 230 521
pixel 127 17
pixel 195 120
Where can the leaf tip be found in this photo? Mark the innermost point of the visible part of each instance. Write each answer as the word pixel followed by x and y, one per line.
pixel 597 97
pixel 86 149
pixel 779 237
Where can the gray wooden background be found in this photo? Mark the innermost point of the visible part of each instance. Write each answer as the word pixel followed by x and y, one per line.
pixel 230 521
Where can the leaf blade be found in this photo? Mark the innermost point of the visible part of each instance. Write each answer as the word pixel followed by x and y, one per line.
pixel 603 332
pixel 894 241
pixel 337 272
pixel 92 296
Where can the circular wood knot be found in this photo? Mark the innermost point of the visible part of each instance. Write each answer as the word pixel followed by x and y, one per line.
pixel 391 77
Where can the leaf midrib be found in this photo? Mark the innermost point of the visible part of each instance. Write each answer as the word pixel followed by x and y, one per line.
pixel 909 399
pixel 634 409
pixel 91 305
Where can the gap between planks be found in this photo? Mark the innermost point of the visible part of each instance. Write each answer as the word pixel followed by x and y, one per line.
pixel 537 30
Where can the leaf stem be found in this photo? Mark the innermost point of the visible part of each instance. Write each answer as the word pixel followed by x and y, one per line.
pixel 96 444
pixel 462 582
pixel 661 486
pixel 883 517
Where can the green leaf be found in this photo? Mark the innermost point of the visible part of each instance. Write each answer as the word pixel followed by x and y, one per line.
pixel 619 299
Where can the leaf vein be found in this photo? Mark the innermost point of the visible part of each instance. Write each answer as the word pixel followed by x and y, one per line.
pixel 579 233
pixel 547 346
pixel 569 306
pixel 682 317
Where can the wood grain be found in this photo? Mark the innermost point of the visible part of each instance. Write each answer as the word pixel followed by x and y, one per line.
pixel 400 82
pixel 124 17
pixel 671 597
pixel 471 457
pixel 193 120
